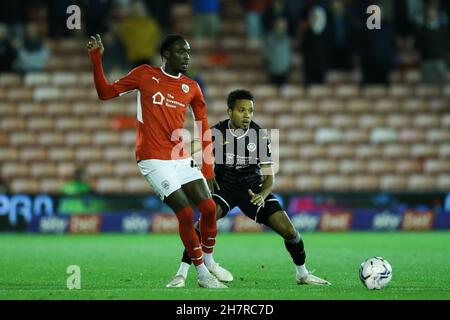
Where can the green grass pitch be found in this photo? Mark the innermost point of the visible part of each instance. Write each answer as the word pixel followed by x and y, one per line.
pixel 121 266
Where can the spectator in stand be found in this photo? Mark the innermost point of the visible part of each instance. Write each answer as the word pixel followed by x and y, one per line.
pixel 276 9
pixel 254 10
pixel 33 53
pixel 206 18
pixel 278 52
pixel 141 35
pixel 77 186
pixel 341 58
pixel 117 59
pixel 377 49
pixel 315 36
pixel 432 40
pixel 8 52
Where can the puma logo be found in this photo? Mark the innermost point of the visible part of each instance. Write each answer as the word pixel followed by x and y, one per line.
pixel 156 79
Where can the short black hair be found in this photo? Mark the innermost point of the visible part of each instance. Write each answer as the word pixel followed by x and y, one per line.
pixel 168 41
pixel 238 95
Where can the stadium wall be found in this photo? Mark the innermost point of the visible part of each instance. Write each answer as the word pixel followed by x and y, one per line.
pixel 90 214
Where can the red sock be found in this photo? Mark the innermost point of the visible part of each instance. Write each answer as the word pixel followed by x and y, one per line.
pixel 187 233
pixel 208 227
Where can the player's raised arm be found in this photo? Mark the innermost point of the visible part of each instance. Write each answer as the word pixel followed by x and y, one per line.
pixel 104 89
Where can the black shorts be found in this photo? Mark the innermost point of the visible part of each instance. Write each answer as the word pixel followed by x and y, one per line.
pixel 228 198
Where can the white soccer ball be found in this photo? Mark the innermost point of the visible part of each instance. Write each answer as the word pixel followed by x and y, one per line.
pixel 375 273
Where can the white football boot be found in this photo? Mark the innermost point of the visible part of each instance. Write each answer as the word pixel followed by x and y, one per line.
pixel 177 282
pixel 210 282
pixel 309 278
pixel 221 274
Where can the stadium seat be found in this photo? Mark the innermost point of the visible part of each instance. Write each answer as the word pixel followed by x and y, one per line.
pixel 84 154
pixel 411 135
pixel 319 91
pixel 303 106
pixel 65 169
pixel 263 92
pixel 46 93
pixel 445 120
pixel 358 105
pixel 30 109
pixel 137 185
pixel 68 123
pixel 315 120
pixel 443 182
pixel 437 165
pixel 386 105
pixel 76 138
pixel 61 79
pixel 99 168
pixel 312 151
pixel 40 124
pixel 427 91
pixel 308 183
pixel 50 185
pixel 438 135
pixel 365 183
pixel 396 151
pixel 37 79
pixel 126 169
pixel 294 167
pixel 110 185
pixel 61 154
pixel 292 91
pixel 351 166
pixel 58 109
pixel 24 185
pixel 262 120
pixel 336 182
pixel 324 166
pixel 408 166
pixel 337 151
pixel 383 135
pixel 398 121
pixel 393 182
pixel 331 105
pixel 50 139
pixel 427 121
pixel 43 169
pixel 356 136
pixel 287 151
pixel 444 150
pixel 14 170
pixel 12 123
pixel 421 182
pixel 347 91
pixel 33 154
pixel 369 121
pixel 380 166
pixel 424 150
pixel 274 106
pixel 22 138
pixel 117 153
pixel 367 151
pixel 284 184
pixel 297 135
pixel 374 91
pixel 411 105
pixel 10 79
pixel 344 121
pixel 104 138
pixel 400 91
pixel 92 124
pixel 328 135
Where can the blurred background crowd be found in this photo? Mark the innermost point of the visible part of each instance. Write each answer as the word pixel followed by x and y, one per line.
pixel 357 109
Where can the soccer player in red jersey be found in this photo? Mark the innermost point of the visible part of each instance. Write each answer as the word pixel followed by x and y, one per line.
pixel 164 94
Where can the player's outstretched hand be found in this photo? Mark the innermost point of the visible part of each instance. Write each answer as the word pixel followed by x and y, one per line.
pixel 95 43
pixel 257 199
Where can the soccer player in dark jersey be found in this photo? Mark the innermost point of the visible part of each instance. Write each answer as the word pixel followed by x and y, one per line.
pixel 243 168
pixel 163 97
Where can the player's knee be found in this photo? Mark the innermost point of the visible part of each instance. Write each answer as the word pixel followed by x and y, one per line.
pixel 208 207
pixel 289 232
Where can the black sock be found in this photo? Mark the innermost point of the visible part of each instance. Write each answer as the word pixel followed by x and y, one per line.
pixel 297 252
pixel 186 258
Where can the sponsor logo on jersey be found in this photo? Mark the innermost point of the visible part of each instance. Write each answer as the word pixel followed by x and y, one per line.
pixel 158 98
pixel 251 147
pixel 185 88
pixel 165 184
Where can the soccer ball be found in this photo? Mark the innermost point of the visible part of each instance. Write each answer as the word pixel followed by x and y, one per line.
pixel 375 273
